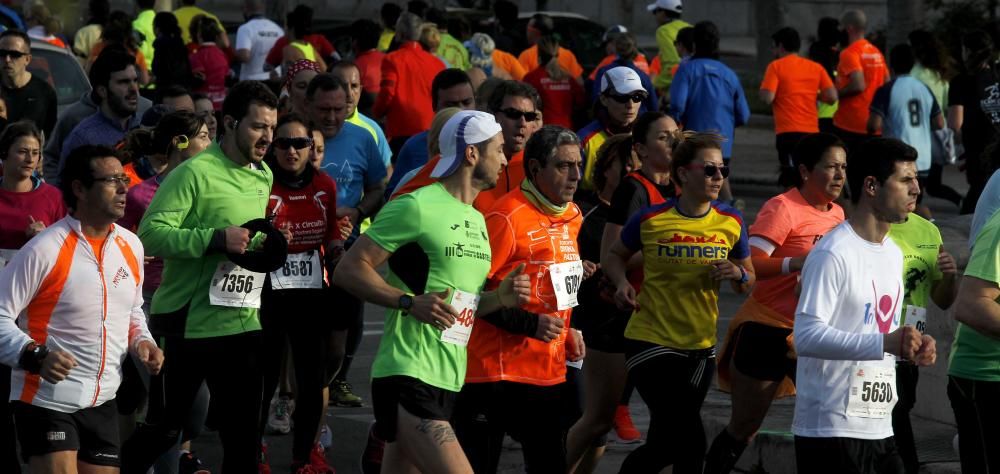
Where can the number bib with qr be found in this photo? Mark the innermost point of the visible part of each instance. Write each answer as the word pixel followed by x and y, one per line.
pixel 916 317
pixel 566 278
pixel 235 286
pixel 465 304
pixel 301 270
pixel 5 256
pixel 873 391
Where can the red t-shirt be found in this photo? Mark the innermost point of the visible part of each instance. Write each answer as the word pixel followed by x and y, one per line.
pixel 322 45
pixel 210 60
pixel 405 96
pixel 44 204
pixel 370 65
pixel 559 98
pixel 311 212
pixel 852 112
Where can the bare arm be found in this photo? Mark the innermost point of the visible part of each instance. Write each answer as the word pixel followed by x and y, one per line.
pixel 937 122
pixel 614 267
pixel 828 95
pixel 242 55
pixel 854 87
pixel 874 123
pixel 356 273
pixel 976 306
pixel 766 96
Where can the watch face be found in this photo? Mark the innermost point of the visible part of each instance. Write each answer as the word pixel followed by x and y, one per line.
pixel 405 302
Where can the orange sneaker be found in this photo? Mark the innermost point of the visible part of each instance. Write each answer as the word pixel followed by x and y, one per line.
pixel 623 426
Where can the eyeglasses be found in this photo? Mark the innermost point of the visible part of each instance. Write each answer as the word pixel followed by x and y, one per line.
pixel 122 179
pixel 515 114
pixel 638 98
pixel 710 170
pixel 299 143
pixel 13 54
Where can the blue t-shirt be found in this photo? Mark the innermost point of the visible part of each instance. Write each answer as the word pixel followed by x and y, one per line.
pixel 353 160
pixel 705 96
pixel 381 141
pixel 412 156
pixel 907 106
pixel 651 102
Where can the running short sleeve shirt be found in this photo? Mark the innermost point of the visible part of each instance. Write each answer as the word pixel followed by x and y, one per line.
pixel 907 107
pixel 974 355
pixel 919 239
pixel 678 302
pixel 852 112
pixel 437 243
pixel 794 226
pixel 795 82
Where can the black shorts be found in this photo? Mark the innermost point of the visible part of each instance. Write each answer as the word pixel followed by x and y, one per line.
pixel 602 323
pixel 786 143
pixel 91 432
pixel 839 455
pixel 349 308
pixel 761 351
pixel 416 397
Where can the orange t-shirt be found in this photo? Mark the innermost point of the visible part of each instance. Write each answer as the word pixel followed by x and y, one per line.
pixel 507 62
pixel 795 81
pixel 656 65
pixel 140 60
pixel 98 245
pixel 132 174
pixel 852 112
pixel 529 59
pixel 794 226
pixel 640 62
pixel 509 180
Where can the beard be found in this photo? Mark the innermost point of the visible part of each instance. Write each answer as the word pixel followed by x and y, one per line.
pixel 120 106
pixel 484 178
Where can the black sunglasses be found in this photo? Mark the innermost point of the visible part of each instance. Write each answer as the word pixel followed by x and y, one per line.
pixel 638 98
pixel 515 114
pixel 299 143
pixel 10 53
pixel 710 170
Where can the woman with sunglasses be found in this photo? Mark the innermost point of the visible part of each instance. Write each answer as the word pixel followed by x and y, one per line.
pixel 303 205
pixel 690 245
pixel 757 363
pixel 615 112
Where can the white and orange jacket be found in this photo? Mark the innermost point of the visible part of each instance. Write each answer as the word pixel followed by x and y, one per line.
pixel 69 301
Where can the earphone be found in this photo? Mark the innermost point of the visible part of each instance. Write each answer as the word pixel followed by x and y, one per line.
pixel 182 142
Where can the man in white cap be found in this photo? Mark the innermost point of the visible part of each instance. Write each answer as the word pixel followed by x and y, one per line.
pixel 618 107
pixel 668 16
pixel 438 255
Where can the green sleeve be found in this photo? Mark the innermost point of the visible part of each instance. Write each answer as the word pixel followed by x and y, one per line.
pixel 985 260
pixel 397 224
pixel 668 56
pixel 161 229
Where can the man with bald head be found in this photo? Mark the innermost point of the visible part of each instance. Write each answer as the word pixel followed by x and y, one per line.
pixel 254 39
pixel 860 72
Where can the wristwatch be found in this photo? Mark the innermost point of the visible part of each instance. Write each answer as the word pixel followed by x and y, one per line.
pixel 32 357
pixel 744 277
pixel 405 302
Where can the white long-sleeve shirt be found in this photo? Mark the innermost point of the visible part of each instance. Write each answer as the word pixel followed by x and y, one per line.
pixel 852 294
pixel 69 301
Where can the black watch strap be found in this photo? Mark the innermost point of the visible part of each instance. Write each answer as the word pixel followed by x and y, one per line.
pixel 32 357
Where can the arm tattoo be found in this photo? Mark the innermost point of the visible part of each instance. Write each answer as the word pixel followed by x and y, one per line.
pixel 440 432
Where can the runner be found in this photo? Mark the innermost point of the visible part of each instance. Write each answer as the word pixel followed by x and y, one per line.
pixel 628 56
pixel 973 376
pixel 929 274
pixel 516 107
pixel 254 39
pixel 27 206
pixel 27 96
pixel 670 339
pixel 212 328
pixel 348 72
pixel 561 94
pixel 789 86
pixel 67 361
pixel 540 26
pixel 608 389
pixel 438 257
pixel 668 16
pixel 303 201
pixel 517 359
pixel 615 112
pixel 847 325
pixel 861 70
pixel 758 363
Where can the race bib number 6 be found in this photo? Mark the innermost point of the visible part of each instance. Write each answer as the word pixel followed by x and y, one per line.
pixel 873 391
pixel 235 286
pixel 566 278
pixel 465 304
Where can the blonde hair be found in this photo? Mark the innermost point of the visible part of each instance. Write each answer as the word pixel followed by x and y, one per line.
pixel 430 37
pixel 433 135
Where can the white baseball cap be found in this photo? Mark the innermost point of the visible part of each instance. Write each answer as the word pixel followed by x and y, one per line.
pixel 468 127
pixel 671 5
pixel 623 79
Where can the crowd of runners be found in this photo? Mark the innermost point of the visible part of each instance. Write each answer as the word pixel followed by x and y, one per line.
pixel 192 244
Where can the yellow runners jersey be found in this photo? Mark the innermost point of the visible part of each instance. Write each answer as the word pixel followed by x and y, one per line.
pixel 678 303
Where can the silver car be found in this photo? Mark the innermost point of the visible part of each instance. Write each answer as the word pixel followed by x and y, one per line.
pixel 61 70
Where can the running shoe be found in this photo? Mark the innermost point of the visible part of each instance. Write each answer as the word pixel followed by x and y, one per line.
pixel 190 464
pixel 280 419
pixel 371 457
pixel 263 466
pixel 341 395
pixel 317 461
pixel 325 436
pixel 623 426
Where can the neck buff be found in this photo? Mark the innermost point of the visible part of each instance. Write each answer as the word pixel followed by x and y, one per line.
pixel 540 201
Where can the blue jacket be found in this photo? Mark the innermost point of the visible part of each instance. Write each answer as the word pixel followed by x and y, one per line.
pixel 650 104
pixel 707 96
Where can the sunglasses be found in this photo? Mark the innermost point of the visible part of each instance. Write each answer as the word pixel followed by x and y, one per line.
pixel 638 98
pixel 299 143
pixel 710 170
pixel 515 114
pixel 10 53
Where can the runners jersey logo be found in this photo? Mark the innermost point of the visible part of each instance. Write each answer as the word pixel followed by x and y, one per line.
pixel 885 310
pixel 678 245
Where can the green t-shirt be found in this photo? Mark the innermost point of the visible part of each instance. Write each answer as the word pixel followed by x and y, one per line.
pixel 919 239
pixel 453 51
pixel 974 355
pixel 437 242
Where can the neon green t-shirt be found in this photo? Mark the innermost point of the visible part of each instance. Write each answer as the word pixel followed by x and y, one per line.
pixel 437 242
pixel 974 355
pixel 919 239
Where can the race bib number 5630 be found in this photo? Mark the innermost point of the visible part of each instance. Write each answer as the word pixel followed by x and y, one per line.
pixel 873 391
pixel 235 286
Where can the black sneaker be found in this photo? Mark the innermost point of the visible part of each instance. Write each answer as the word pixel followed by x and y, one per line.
pixel 190 464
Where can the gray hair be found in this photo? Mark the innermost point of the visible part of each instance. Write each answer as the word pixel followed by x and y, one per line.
pixel 408 27
pixel 543 145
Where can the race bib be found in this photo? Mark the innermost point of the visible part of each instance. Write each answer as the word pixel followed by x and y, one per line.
pixel 566 278
pixel 5 256
pixel 916 317
pixel 301 270
pixel 873 391
pixel 465 304
pixel 235 286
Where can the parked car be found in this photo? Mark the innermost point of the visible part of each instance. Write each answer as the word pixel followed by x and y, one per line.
pixel 61 70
